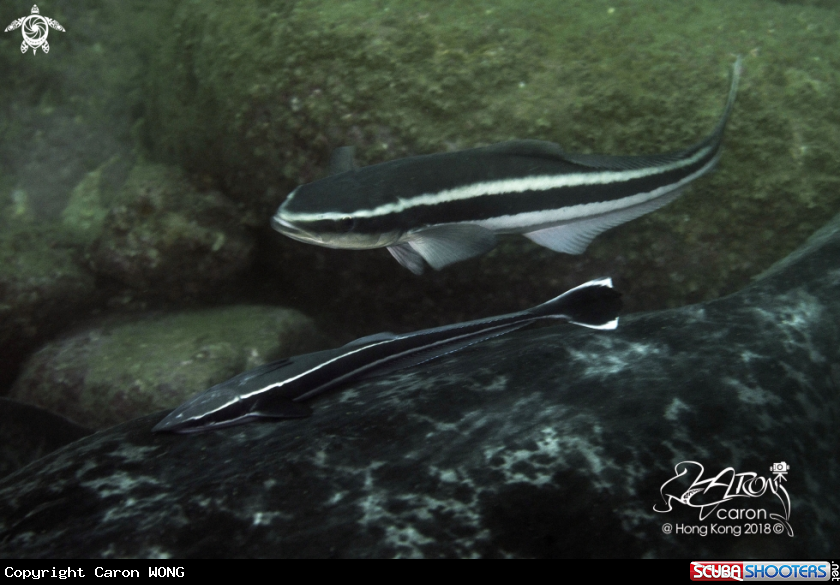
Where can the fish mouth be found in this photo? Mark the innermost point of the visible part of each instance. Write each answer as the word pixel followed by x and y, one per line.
pixel 289 229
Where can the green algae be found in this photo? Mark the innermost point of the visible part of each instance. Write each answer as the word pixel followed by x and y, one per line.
pixel 161 233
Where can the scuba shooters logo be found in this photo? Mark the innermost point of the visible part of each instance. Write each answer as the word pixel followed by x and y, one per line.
pixel 718 496
pixel 763 571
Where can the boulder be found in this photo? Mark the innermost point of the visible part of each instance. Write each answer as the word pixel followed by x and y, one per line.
pixel 163 237
pixel 117 370
pixel 42 290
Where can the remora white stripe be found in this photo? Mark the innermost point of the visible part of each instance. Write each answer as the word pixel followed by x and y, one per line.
pixel 506 186
pixel 288 380
pixel 530 219
pixel 408 352
pixel 366 366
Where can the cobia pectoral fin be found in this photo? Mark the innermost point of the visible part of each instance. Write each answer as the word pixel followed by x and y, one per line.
pixel 407 257
pixel 445 244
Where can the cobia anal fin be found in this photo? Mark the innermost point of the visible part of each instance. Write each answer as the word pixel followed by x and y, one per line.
pixel 445 244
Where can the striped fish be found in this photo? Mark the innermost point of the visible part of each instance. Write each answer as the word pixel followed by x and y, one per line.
pixel 278 389
pixel 447 207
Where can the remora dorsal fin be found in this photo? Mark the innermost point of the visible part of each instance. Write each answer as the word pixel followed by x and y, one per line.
pixel 384 336
pixel 343 159
pixel 445 244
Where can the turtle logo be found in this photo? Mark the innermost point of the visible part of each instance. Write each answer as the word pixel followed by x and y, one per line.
pixel 35 30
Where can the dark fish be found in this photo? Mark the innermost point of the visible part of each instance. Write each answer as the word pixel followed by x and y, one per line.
pixel 447 207
pixel 278 389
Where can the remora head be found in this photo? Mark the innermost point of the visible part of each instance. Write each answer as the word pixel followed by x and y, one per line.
pixel 234 402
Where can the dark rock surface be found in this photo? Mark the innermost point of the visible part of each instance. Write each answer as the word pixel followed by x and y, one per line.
pixel 28 433
pixel 549 442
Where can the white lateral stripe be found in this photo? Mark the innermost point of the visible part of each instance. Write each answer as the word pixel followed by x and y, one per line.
pixel 286 381
pixel 506 186
pixel 340 357
pixel 532 219
pixel 409 352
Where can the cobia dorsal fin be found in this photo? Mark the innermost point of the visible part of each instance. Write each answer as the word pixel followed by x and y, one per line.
pixel 343 159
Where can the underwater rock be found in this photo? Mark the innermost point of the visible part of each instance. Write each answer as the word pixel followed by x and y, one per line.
pixel 89 201
pixel 552 442
pixel 164 237
pixel 42 289
pixel 116 371
pixel 28 433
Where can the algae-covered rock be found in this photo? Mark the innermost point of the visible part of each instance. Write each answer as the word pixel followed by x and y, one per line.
pixel 42 289
pixel 162 236
pixel 113 372
pixel 87 208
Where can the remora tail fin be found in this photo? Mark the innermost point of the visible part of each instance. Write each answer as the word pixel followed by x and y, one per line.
pixel 593 304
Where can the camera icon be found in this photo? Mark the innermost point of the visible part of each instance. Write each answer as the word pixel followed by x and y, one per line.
pixel 780 467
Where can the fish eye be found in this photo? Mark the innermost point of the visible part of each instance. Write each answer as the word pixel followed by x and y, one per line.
pixel 345 224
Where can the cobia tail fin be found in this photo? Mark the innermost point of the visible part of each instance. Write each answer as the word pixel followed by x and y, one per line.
pixel 594 304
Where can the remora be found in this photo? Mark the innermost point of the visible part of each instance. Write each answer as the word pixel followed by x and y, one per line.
pixel 276 390
pixel 447 207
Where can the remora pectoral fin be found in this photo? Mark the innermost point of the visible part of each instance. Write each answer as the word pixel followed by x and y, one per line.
pixel 280 407
pixel 443 245
pixel 573 238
